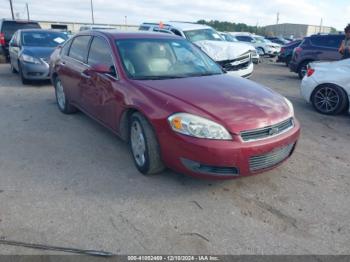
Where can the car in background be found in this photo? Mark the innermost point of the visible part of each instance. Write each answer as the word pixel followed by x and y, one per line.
pixel 254 53
pixel 96 27
pixel 326 86
pixel 277 40
pixel 315 48
pixel 287 51
pixel 234 58
pixel 30 51
pixel 262 45
pixel 7 29
pixel 161 93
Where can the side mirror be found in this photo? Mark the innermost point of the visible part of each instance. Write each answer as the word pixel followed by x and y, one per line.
pixel 101 68
pixel 13 44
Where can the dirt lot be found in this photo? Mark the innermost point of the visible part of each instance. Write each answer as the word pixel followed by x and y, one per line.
pixel 65 180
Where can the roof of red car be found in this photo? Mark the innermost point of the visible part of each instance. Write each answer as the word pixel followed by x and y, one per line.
pixel 127 35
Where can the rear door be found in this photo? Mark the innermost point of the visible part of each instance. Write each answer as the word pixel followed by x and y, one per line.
pixel 326 47
pixel 72 65
pixel 98 93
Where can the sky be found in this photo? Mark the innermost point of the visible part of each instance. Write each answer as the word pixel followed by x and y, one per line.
pixel 334 13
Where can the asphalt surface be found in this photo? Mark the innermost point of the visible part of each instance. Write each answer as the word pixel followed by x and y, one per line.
pixel 67 181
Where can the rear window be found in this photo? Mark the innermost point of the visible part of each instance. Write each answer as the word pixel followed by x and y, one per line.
pixel 244 38
pixel 10 27
pixel 327 41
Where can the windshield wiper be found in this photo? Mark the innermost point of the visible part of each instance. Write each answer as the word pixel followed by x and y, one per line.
pixel 158 77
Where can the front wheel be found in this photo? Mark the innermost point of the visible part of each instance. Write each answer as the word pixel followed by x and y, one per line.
pixel 329 99
pixel 144 146
pixel 61 98
pixel 24 80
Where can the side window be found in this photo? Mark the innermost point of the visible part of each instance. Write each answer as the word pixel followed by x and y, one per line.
pixel 100 53
pixel 144 28
pixel 176 32
pixel 79 48
pixel 244 38
pixel 331 41
pixel 65 48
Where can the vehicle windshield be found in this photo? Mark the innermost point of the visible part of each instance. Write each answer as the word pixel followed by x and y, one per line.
pixel 203 34
pixel 43 39
pixel 259 39
pixel 155 59
pixel 229 38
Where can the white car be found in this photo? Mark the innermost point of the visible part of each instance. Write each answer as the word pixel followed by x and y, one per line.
pixel 254 53
pixel 262 45
pixel 234 58
pixel 326 86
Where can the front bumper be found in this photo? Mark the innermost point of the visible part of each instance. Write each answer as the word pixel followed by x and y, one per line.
pixel 35 71
pixel 202 157
pixel 244 72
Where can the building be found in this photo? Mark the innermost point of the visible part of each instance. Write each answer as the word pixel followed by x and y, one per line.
pixel 295 30
pixel 75 26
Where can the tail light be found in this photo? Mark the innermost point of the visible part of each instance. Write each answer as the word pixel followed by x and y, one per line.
pixel 2 39
pixel 298 50
pixel 310 71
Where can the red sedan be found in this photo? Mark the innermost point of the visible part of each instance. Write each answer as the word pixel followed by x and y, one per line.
pixel 175 106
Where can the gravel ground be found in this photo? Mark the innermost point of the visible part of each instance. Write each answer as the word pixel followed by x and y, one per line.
pixel 65 180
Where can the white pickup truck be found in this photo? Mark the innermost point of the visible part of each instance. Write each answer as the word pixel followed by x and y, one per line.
pixel 235 58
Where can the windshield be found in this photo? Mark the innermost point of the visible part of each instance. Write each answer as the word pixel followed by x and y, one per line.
pixel 149 59
pixel 43 39
pixel 229 38
pixel 259 39
pixel 202 34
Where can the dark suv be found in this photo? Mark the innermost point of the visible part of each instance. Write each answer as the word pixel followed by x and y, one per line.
pixel 315 48
pixel 7 29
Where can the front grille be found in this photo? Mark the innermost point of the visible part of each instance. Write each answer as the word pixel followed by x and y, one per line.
pixel 267 132
pixel 271 159
pixel 236 64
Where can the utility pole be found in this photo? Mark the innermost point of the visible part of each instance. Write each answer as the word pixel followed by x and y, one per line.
pixel 92 12
pixel 28 17
pixel 13 16
pixel 321 24
pixel 278 18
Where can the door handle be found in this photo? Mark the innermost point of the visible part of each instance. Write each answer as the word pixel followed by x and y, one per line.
pixel 85 75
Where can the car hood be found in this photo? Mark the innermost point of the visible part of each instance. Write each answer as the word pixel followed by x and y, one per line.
pixel 38 52
pixel 236 103
pixel 223 50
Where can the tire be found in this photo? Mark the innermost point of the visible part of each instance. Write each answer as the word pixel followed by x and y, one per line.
pixel 288 59
pixel 62 99
pixel 336 103
pixel 144 146
pixel 261 51
pixel 302 69
pixel 24 80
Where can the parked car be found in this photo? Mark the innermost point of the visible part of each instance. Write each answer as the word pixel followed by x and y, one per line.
pixel 30 50
pixel 234 58
pixel 7 29
pixel 161 93
pixel 278 40
pixel 326 86
pixel 254 53
pixel 315 48
pixel 287 51
pixel 262 45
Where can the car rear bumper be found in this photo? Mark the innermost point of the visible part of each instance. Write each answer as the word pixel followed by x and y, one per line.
pixel 225 159
pixel 244 72
pixel 35 71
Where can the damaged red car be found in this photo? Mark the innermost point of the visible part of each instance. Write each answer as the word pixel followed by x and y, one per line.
pixel 174 105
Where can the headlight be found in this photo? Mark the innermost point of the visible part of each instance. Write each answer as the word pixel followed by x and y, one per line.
pixel 197 126
pixel 290 105
pixel 30 59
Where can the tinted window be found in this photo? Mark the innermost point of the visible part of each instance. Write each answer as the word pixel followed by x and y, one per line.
pixel 176 32
pixel 79 48
pixel 202 34
pixel 10 27
pixel 144 28
pixel 244 38
pixel 100 52
pixel 65 47
pixel 327 41
pixel 43 39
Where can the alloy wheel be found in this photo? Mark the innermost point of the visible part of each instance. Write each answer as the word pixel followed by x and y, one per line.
pixel 138 143
pixel 326 99
pixel 61 98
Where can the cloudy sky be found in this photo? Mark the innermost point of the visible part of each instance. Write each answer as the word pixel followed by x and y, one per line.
pixel 334 13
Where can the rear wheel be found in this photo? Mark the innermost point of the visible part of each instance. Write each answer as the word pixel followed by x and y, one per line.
pixel 144 146
pixel 61 98
pixel 261 51
pixel 329 99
